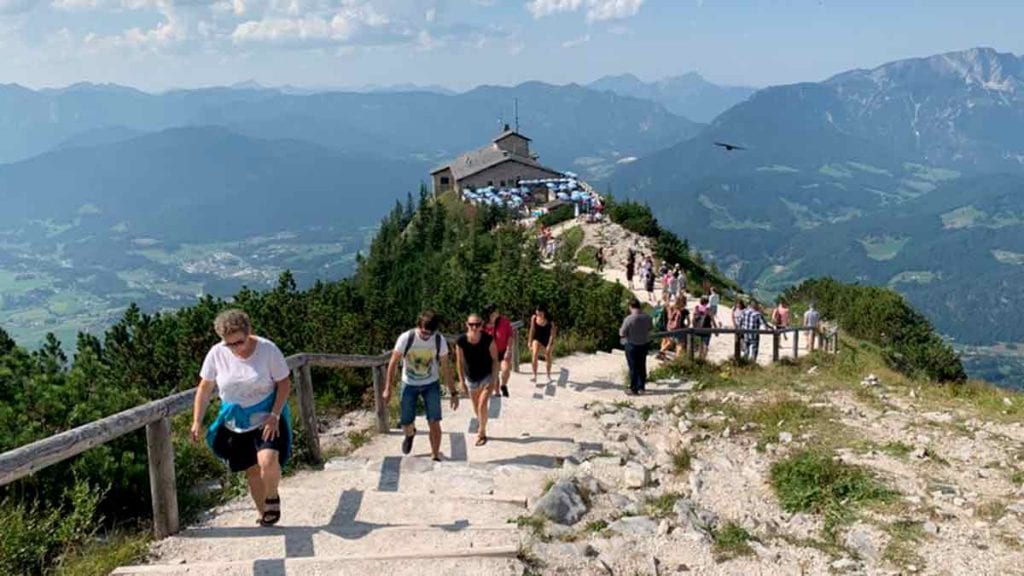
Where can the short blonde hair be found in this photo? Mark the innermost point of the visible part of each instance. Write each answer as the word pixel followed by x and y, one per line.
pixel 231 321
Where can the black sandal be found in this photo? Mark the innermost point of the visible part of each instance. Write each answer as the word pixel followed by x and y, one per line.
pixel 271 511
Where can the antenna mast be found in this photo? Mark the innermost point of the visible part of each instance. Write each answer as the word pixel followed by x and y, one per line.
pixel 515 106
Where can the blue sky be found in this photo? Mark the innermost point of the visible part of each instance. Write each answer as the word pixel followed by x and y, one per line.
pixel 160 44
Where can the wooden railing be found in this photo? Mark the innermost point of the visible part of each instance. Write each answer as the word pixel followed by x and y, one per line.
pixel 156 418
pixel 827 341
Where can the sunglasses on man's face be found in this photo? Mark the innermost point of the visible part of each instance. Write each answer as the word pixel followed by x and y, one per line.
pixel 474 324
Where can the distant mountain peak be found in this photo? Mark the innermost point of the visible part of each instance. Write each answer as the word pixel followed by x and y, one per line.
pixel 689 95
pixel 984 67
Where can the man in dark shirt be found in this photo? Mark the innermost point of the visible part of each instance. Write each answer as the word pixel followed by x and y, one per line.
pixel 636 335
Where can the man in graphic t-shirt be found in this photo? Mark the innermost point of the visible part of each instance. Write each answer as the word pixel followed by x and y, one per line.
pixel 423 353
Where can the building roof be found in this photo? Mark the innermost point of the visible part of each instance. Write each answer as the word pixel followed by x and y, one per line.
pixel 484 158
pixel 510 132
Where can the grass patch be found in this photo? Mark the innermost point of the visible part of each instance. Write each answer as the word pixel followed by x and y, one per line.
pixel 646 412
pixel 100 558
pixel 358 439
pixel 595 526
pixel 991 511
pixel 682 460
pixel 531 522
pixel 896 449
pixel 661 506
pixel 1017 477
pixel 777 416
pixel 731 541
pixel 587 256
pixel 985 399
pixel 813 481
pixel 904 536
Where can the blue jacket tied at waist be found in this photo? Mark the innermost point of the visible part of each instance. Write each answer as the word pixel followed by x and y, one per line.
pixel 240 417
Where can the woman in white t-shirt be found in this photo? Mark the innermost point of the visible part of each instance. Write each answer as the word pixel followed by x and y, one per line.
pixel 252 431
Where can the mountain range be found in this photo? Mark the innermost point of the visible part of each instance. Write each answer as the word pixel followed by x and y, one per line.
pixel 574 127
pixel 688 95
pixel 110 195
pixel 909 174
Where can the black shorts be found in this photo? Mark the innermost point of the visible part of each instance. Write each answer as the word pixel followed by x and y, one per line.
pixel 240 449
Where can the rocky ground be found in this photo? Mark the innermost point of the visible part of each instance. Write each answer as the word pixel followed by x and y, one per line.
pixel 685 485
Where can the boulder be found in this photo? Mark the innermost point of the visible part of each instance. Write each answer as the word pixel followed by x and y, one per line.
pixel 635 475
pixel 634 526
pixel 561 504
pixel 862 542
pixel 692 517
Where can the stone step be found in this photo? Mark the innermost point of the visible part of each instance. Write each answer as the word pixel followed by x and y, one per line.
pixel 306 509
pixel 232 544
pixel 498 561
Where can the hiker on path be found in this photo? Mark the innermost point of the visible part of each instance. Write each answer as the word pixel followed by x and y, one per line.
pixel 781 316
pixel 542 338
pixel 499 328
pixel 423 352
pixel 630 269
pixel 636 334
pixel 678 318
pixel 738 306
pixel 752 319
pixel 253 431
pixel 477 364
pixel 812 321
pixel 600 259
pixel 673 285
pixel 713 300
pixel 649 281
pixel 659 316
pixel 703 319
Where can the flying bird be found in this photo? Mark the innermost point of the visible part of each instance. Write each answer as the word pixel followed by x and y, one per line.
pixel 729 147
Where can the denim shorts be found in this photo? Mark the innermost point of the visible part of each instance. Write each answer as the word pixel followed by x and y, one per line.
pixel 476 385
pixel 431 394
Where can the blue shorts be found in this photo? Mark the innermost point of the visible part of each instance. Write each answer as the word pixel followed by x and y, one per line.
pixel 431 394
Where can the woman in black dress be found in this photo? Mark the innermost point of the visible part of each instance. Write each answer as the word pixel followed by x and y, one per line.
pixel 542 337
pixel 477 363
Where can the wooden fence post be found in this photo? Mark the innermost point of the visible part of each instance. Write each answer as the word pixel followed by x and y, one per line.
pixel 796 344
pixel 307 410
pixel 383 415
pixel 775 346
pixel 162 486
pixel 691 344
pixel 737 352
pixel 515 350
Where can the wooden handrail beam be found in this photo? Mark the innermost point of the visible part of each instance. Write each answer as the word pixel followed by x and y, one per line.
pixel 33 457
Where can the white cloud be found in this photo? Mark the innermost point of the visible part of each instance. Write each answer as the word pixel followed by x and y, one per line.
pixel 576 41
pixel 17 6
pixel 613 9
pixel 596 10
pixel 308 28
pixel 431 14
pixel 75 5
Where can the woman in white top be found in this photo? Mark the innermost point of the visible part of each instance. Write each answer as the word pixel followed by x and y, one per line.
pixel 252 431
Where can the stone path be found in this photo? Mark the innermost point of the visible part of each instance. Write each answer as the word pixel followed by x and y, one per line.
pixel 377 511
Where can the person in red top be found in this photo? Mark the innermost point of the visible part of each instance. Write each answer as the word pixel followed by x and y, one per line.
pixel 500 329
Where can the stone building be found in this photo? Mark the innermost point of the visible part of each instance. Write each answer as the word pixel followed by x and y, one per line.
pixel 502 163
